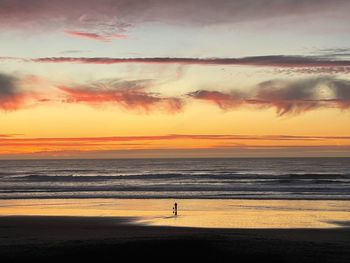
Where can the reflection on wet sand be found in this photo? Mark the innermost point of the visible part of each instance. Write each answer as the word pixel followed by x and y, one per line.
pixel 195 213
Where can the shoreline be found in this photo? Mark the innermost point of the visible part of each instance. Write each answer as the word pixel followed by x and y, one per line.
pixel 208 213
pixel 75 238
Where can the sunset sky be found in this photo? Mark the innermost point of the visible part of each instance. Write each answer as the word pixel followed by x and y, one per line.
pixel 164 78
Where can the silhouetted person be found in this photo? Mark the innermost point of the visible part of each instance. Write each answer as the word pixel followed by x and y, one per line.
pixel 175 209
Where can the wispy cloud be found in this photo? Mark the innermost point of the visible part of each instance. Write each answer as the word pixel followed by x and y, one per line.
pixel 129 94
pixel 94 36
pixel 333 52
pixel 287 96
pixel 263 61
pixel 281 63
pixel 8 135
pixel 142 141
pixel 225 101
pixel 224 137
pixel 159 144
pixel 74 51
pixel 224 152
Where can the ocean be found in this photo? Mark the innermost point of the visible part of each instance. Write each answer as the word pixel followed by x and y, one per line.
pixel 251 178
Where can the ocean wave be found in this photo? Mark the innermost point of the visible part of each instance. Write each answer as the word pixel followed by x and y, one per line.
pixel 209 178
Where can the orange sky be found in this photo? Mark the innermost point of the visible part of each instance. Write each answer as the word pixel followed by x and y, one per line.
pixel 230 81
pixel 58 132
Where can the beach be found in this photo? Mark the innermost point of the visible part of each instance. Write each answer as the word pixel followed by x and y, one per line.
pixel 206 230
pixel 229 210
pixel 53 238
pixel 203 213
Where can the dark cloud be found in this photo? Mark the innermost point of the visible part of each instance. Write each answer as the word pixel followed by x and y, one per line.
pixel 7 85
pixel 223 100
pixel 296 96
pixel 261 61
pixel 281 63
pixel 15 94
pixel 108 17
pixel 287 96
pixel 341 90
pixel 11 98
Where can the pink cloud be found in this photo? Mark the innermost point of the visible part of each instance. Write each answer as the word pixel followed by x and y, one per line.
pixel 95 36
pixel 129 94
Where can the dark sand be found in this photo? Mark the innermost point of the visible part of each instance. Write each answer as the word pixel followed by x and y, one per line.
pixel 101 239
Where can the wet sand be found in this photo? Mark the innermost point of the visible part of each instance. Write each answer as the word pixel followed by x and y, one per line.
pixel 250 214
pixel 120 239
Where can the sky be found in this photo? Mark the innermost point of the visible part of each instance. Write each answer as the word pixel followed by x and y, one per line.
pixel 162 78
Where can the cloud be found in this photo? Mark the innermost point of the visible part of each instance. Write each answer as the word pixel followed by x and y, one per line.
pixel 95 36
pixel 108 16
pixel 223 137
pixel 290 96
pixel 341 89
pixel 297 96
pixel 8 135
pixel 159 144
pixel 223 100
pixel 333 52
pixel 11 97
pixel 103 20
pixel 89 16
pixel 21 91
pixel 129 94
pixel 74 51
pixel 287 96
pixel 279 61
pixel 329 70
pixel 224 152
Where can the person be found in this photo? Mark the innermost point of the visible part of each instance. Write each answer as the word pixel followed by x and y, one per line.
pixel 175 209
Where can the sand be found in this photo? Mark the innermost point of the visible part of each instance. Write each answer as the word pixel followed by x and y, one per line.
pixel 193 212
pixel 120 239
